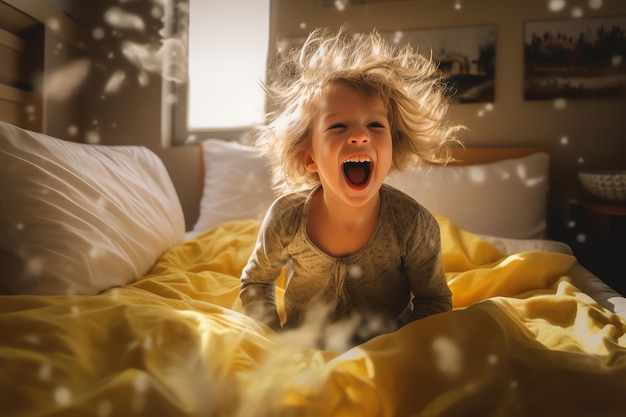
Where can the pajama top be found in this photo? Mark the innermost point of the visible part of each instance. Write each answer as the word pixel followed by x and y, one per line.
pixel 398 274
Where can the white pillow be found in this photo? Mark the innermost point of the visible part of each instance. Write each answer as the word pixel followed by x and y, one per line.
pixel 237 184
pixel 78 218
pixel 506 198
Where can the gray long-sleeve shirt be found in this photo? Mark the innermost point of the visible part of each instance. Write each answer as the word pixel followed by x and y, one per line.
pixel 402 259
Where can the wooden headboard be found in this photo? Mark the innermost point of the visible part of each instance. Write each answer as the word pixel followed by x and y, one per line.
pixel 21 55
pixel 486 155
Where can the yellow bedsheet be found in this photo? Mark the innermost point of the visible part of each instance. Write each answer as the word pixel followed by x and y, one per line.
pixel 522 341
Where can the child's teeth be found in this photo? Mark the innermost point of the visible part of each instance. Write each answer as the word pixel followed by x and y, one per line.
pixel 358 159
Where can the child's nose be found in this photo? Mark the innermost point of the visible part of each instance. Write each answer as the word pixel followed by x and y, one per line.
pixel 358 138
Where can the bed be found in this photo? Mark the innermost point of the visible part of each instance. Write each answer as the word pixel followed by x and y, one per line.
pixel 109 307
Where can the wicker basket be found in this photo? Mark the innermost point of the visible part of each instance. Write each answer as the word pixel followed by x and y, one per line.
pixel 607 185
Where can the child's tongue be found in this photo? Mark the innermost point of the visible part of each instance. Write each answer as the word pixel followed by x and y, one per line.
pixel 357 173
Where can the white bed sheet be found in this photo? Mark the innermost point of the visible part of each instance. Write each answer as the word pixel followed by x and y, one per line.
pixel 581 277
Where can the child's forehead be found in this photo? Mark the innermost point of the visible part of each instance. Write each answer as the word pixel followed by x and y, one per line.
pixel 316 102
pixel 338 88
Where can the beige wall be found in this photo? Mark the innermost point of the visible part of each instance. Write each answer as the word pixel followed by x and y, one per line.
pixel 596 129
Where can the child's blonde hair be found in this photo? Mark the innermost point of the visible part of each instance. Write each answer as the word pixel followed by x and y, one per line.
pixel 409 85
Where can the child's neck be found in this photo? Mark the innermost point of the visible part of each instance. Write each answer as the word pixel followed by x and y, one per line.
pixel 338 229
pixel 339 214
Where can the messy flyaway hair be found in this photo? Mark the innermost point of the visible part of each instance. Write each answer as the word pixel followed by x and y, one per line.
pixel 408 83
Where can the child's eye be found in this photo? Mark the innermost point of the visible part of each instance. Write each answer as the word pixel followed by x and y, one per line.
pixel 376 124
pixel 337 126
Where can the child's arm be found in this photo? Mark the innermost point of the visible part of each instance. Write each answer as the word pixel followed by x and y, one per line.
pixel 424 267
pixel 258 288
pixel 259 302
pixel 431 295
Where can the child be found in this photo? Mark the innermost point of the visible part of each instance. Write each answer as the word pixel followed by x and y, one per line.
pixel 348 110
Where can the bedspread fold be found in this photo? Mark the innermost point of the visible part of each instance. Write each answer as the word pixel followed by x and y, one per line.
pixel 521 341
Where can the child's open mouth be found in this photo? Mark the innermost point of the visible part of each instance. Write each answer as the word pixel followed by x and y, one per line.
pixel 357 171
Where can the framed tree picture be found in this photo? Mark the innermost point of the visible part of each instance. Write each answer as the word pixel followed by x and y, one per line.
pixel 575 59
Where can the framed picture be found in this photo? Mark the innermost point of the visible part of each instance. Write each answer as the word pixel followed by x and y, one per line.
pixel 575 59
pixel 466 56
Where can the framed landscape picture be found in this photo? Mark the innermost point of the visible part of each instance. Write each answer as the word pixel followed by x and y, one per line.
pixel 465 55
pixel 575 59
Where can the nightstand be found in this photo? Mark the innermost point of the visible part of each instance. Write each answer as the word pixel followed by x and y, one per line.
pixel 598 239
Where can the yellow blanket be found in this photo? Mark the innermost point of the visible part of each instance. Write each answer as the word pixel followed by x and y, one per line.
pixel 522 341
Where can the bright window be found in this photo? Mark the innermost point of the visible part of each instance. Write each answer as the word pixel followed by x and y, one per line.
pixel 227 57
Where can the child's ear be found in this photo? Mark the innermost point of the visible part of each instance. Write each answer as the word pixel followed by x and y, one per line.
pixel 307 160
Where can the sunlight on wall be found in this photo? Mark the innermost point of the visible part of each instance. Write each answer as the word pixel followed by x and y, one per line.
pixel 228 44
